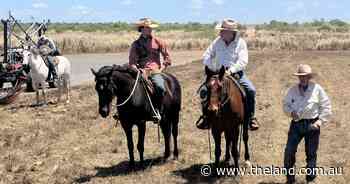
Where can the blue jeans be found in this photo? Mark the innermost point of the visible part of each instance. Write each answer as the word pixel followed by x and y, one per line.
pixel 52 70
pixel 159 84
pixel 297 131
pixel 250 92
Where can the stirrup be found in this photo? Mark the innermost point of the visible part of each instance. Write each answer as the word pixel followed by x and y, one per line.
pixel 202 123
pixel 156 118
pixel 256 124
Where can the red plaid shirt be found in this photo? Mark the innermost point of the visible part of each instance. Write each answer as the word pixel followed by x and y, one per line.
pixel 145 52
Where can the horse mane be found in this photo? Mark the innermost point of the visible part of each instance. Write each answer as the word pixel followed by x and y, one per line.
pixel 108 70
pixel 125 68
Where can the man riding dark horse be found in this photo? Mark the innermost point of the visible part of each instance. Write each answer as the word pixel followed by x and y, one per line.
pixel 230 51
pixel 48 50
pixel 145 55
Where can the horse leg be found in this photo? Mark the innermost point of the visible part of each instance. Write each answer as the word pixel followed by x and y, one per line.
pixel 59 90
pixel 217 139
pixel 37 97
pixel 234 149
pixel 228 146
pixel 166 129
pixel 246 147
pixel 141 140
pixel 175 126
pixel 67 89
pixel 44 94
pixel 128 131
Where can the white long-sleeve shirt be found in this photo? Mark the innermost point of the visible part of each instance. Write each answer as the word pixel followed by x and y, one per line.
pixel 234 56
pixel 314 103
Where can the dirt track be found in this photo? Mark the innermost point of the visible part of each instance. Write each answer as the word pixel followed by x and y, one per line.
pixel 73 144
pixel 82 63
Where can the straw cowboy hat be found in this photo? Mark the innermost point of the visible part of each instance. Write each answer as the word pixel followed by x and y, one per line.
pixel 227 24
pixel 303 69
pixel 146 22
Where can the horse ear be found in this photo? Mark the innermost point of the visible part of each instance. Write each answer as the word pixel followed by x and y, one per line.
pixel 93 71
pixel 207 71
pixel 222 72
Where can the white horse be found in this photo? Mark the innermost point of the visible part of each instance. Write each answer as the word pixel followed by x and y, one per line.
pixel 39 72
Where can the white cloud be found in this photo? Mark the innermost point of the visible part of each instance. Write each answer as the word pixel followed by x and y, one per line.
pixel 218 2
pixel 127 2
pixel 39 5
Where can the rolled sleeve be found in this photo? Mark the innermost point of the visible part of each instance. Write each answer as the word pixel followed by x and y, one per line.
pixel 287 103
pixel 52 44
pixel 209 55
pixel 165 52
pixel 133 57
pixel 325 108
pixel 242 60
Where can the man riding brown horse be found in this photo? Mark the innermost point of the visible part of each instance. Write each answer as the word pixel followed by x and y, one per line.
pixel 229 50
pixel 145 55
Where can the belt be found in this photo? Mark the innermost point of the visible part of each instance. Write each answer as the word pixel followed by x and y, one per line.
pixel 305 120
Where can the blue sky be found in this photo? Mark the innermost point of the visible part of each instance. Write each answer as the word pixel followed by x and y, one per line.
pixel 207 11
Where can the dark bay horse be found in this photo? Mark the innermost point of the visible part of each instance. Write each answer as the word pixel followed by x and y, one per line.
pixel 134 107
pixel 225 110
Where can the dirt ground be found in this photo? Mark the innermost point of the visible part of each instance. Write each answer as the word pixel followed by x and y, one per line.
pixel 71 143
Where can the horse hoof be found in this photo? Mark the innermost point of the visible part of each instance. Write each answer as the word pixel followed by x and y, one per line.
pixel 247 164
pixel 165 159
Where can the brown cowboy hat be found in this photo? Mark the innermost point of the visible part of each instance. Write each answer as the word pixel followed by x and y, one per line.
pixel 303 69
pixel 227 24
pixel 146 22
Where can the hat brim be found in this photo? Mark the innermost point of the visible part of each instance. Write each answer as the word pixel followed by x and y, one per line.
pixel 147 25
pixel 303 74
pixel 218 27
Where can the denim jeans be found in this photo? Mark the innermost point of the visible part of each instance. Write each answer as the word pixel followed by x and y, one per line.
pixel 52 70
pixel 298 131
pixel 158 82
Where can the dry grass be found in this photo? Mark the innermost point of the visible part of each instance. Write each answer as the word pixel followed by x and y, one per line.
pixel 102 42
pixel 72 144
pixel 299 40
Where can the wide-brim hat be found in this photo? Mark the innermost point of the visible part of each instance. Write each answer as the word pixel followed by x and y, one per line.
pixel 227 24
pixel 146 22
pixel 303 70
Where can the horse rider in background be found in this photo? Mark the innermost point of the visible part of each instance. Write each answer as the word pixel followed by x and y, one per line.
pixel 48 50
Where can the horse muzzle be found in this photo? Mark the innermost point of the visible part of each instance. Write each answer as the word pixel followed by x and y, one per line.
pixel 104 112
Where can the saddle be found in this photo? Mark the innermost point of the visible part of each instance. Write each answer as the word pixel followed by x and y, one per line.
pixel 56 61
pixel 46 51
pixel 240 87
pixel 150 88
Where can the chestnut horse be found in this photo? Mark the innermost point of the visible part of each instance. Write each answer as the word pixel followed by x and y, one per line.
pixel 225 112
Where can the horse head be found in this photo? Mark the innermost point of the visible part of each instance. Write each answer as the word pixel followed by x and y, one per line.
pixel 31 55
pixel 104 89
pixel 215 83
pixel 111 81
